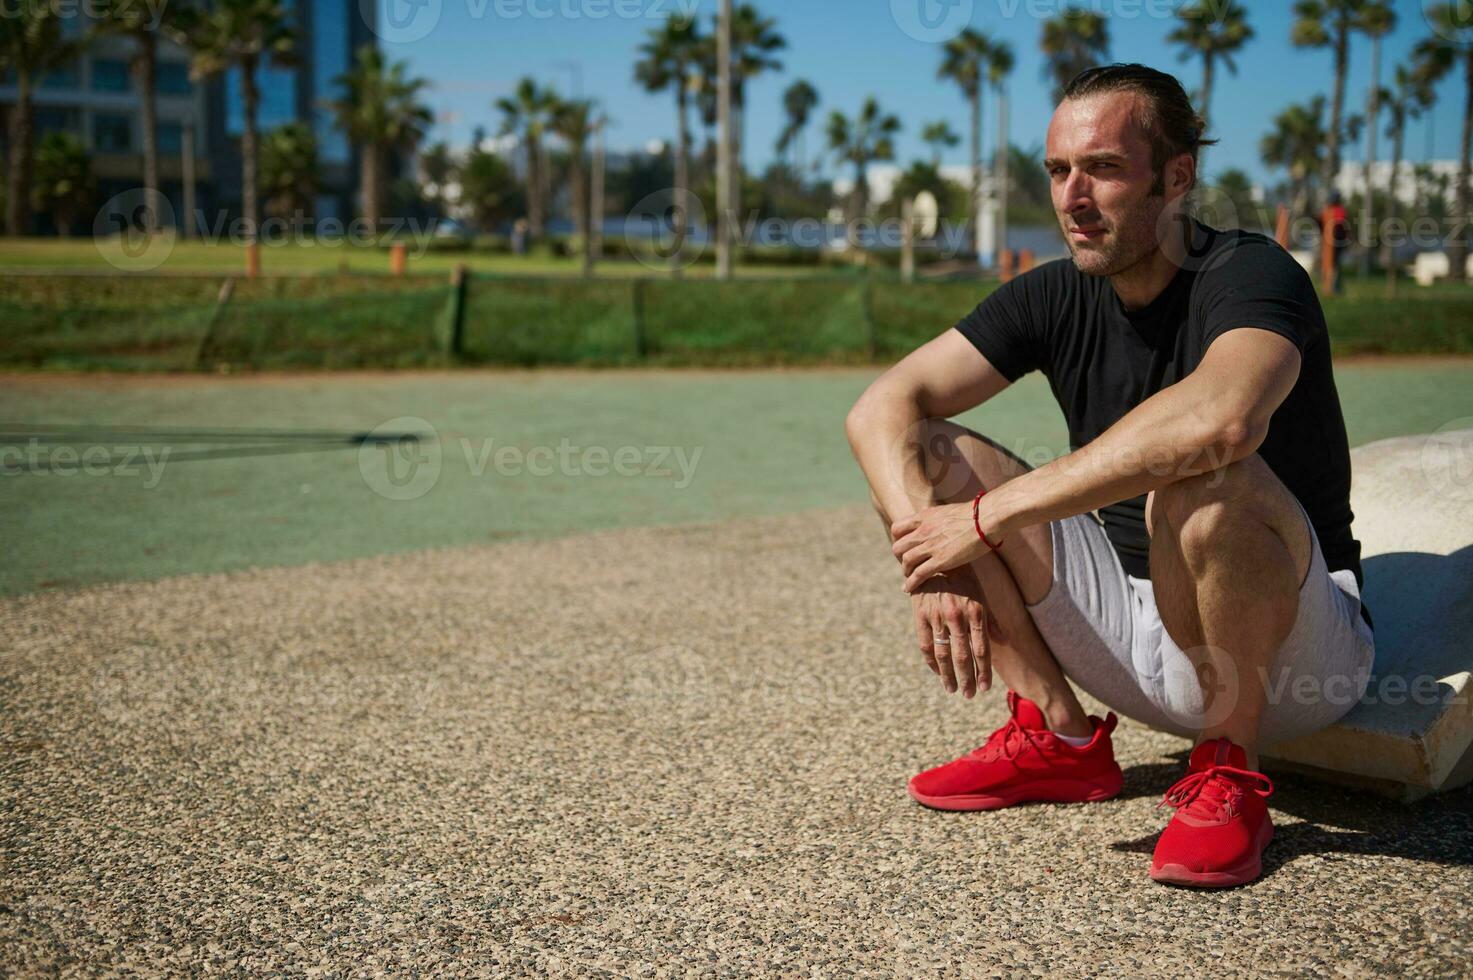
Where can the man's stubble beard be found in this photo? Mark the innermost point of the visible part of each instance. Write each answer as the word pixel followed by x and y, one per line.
pixel 1132 240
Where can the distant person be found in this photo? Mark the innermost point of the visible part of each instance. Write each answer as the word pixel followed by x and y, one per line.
pixel 1190 563
pixel 519 237
pixel 1339 239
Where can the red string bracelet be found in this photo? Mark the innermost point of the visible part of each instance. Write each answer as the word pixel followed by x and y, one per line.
pixel 977 523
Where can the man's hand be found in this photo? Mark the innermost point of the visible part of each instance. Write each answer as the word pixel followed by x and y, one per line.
pixel 951 626
pixel 936 540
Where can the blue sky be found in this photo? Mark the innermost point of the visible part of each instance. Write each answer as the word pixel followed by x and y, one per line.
pixel 474 51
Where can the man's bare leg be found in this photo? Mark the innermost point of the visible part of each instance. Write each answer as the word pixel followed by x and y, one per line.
pixel 959 463
pixel 1229 550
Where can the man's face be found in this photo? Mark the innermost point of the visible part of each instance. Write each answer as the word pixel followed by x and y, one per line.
pixel 1099 166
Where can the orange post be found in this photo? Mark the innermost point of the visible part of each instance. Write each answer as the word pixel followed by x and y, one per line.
pixel 1327 249
pixel 1281 228
pixel 398 258
pixel 253 259
pixel 1005 264
pixel 1025 260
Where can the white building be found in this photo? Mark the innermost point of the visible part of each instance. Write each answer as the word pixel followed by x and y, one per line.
pixel 1352 177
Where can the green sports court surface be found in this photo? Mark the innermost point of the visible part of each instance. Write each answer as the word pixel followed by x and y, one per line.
pixel 126 478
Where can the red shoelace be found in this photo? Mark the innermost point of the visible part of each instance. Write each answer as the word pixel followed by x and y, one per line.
pixel 1217 786
pixel 1008 740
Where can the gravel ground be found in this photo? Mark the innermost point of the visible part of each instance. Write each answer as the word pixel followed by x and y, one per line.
pixel 638 752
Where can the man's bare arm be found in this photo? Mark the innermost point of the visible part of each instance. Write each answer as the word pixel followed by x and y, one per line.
pixel 942 378
pixel 1215 416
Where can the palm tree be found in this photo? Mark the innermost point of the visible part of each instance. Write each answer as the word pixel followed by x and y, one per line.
pixel 706 85
pixel 64 186
pixel 380 111
pixel 1327 24
pixel 33 41
pixel 963 61
pixel 1206 33
pixel 799 101
pixel 753 42
pixel 1073 41
pixel 1376 20
pixel 289 169
pixel 527 113
pixel 573 122
pixel 1294 144
pixel 1450 45
pixel 240 34
pixel 671 58
pixel 999 67
pixel 1409 97
pixel 867 138
pixel 145 26
pixel 939 137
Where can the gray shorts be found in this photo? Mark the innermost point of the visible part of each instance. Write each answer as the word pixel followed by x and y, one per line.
pixel 1103 627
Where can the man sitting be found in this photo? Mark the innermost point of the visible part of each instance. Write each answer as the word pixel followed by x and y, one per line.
pixel 1217 593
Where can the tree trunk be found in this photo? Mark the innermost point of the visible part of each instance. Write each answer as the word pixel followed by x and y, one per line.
pixel 18 187
pixel 974 202
pixel 1331 165
pixel 370 182
pixel 250 98
pixel 145 76
pixel 1373 119
pixel 682 176
pixel 1457 252
pixel 1002 165
pixel 738 131
pixel 536 220
pixel 724 165
pixel 1208 66
pixel 576 201
pixel 1388 260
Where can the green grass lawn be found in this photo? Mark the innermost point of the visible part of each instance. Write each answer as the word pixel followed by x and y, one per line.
pixel 698 446
pixel 327 258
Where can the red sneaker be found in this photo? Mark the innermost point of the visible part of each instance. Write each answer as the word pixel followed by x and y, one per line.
pixel 1221 825
pixel 1024 762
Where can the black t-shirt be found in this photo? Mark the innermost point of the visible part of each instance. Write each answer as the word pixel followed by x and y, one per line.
pixel 1102 360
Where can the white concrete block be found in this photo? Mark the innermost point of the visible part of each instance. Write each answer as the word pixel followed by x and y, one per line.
pixel 1411 733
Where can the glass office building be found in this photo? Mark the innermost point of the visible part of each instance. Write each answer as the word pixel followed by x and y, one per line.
pixel 95 97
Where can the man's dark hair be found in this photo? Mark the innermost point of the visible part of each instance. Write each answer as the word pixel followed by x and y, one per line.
pixel 1169 121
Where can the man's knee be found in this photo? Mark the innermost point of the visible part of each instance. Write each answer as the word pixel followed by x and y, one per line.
pixel 959 462
pixel 1198 511
pixel 1203 505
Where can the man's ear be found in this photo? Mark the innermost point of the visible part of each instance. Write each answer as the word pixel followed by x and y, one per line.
pixel 1183 174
